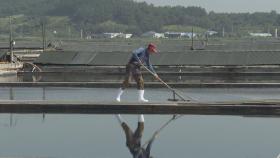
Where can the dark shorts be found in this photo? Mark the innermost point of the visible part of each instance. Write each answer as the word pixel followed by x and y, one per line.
pixel 133 70
pixel 133 139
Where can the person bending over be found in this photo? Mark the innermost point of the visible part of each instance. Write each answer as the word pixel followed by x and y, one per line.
pixel 133 139
pixel 139 57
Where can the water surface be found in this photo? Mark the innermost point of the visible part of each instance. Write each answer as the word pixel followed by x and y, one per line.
pixel 100 136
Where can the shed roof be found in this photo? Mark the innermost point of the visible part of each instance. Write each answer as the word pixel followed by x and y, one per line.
pixel 195 58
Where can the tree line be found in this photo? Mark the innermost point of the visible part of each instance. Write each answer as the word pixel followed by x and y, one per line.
pixel 96 16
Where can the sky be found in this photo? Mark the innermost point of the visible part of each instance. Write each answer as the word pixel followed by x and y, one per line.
pixel 229 6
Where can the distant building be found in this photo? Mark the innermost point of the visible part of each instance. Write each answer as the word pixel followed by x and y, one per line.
pixel 211 33
pixel 260 34
pixel 173 34
pixel 152 34
pixel 179 34
pixel 125 35
pixel 188 35
pixel 88 37
pixel 111 35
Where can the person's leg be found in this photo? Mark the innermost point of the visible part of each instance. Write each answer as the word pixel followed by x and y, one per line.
pixel 137 75
pixel 129 136
pixel 140 128
pixel 119 118
pixel 128 132
pixel 130 139
pixel 120 92
pixel 139 80
pixel 140 86
pixel 125 83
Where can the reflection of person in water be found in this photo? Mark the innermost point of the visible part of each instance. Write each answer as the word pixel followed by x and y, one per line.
pixel 133 139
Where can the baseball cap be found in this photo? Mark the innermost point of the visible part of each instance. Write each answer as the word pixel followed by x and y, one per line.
pixel 152 47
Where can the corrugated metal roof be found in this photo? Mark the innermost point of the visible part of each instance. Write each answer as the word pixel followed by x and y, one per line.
pixel 210 58
pixel 114 58
pixel 83 58
pixel 58 58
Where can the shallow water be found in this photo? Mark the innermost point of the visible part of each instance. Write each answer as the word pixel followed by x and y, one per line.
pixel 154 95
pixel 100 136
pixel 93 77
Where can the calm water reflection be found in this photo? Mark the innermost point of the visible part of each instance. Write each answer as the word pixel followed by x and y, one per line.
pixel 100 136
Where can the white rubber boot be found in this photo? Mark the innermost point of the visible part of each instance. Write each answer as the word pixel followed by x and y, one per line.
pixel 120 119
pixel 120 92
pixel 141 96
pixel 141 118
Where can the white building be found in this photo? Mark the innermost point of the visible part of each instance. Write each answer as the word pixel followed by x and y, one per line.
pixel 180 34
pixel 260 34
pixel 111 35
pixel 210 33
pixel 152 34
pixel 125 35
pixel 173 34
pixel 189 35
pixel 116 35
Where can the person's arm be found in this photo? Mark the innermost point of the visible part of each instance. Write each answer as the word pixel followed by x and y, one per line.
pixel 149 146
pixel 135 54
pixel 150 67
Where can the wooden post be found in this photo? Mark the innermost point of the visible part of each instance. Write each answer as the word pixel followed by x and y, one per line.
pixel 192 48
pixel 11 41
pixel 44 36
pixel 81 33
pixel 69 32
pixel 207 39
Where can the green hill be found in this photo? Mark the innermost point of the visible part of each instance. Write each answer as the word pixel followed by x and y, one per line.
pixel 129 16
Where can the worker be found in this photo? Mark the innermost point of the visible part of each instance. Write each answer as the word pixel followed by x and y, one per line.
pixel 139 57
pixel 133 140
